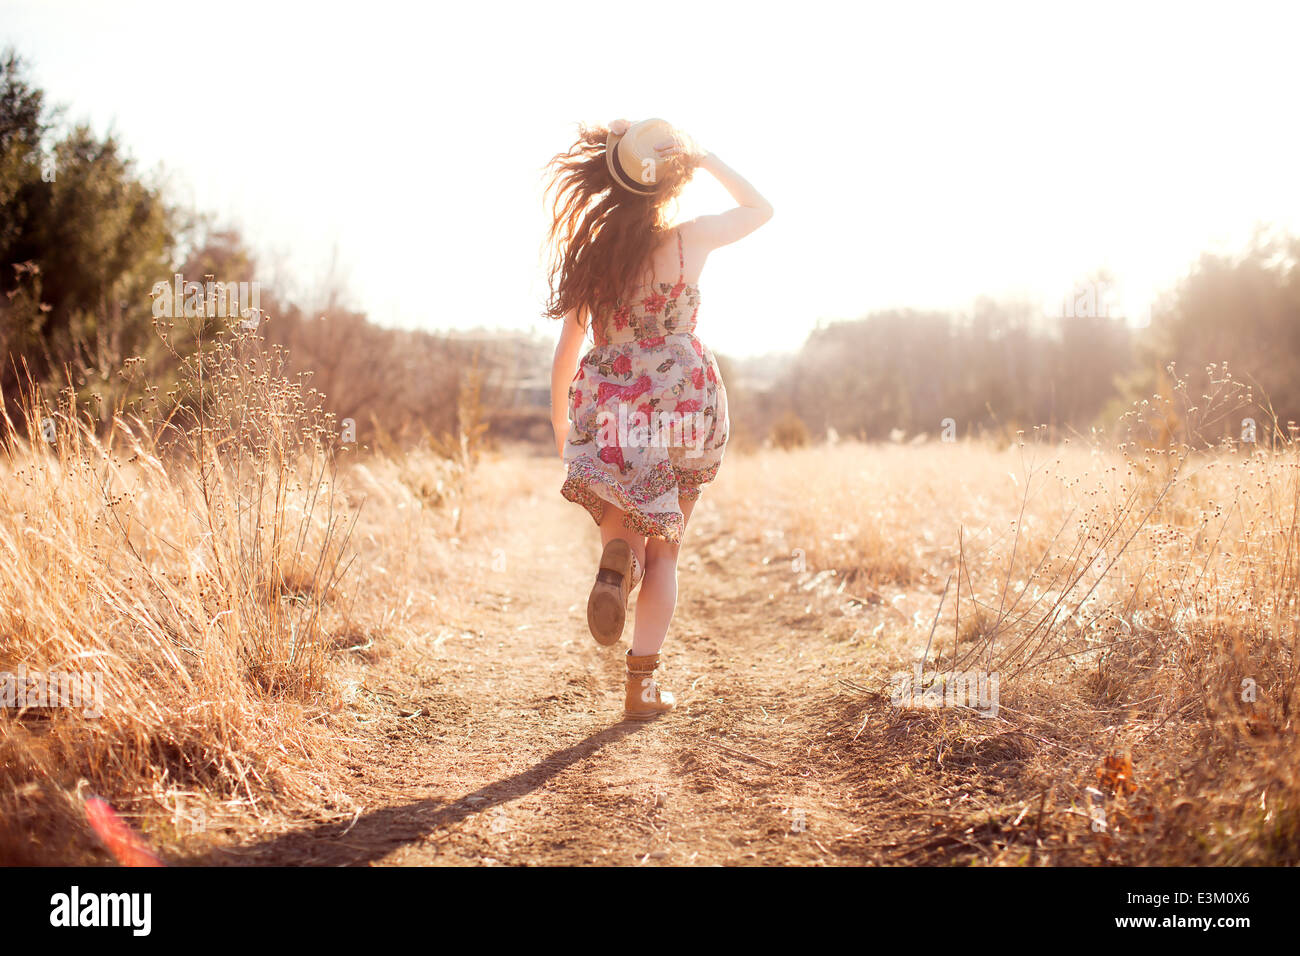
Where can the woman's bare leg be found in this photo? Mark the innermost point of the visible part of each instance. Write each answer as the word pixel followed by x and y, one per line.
pixel 658 598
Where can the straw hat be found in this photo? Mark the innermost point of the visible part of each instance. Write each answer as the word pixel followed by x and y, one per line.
pixel 632 159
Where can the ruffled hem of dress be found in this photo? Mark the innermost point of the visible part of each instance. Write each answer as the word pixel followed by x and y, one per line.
pixel 689 482
pixel 590 487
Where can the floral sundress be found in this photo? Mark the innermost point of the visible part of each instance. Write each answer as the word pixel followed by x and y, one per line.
pixel 648 412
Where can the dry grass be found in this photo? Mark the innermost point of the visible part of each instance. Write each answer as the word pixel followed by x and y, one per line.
pixel 199 559
pixel 1137 600
pixel 235 574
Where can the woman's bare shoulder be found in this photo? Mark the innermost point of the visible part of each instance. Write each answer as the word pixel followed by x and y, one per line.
pixel 693 232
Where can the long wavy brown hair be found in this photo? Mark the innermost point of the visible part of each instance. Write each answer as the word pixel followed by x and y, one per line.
pixel 601 235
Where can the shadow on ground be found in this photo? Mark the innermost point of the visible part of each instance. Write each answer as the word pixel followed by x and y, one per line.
pixel 374 835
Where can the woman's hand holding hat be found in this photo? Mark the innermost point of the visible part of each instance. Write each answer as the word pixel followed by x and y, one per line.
pixel 680 144
pixel 633 153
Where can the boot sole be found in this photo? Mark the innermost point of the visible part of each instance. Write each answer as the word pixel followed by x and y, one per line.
pixel 606 608
pixel 644 717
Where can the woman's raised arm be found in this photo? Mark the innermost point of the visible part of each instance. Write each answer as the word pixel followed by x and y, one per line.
pixel 751 211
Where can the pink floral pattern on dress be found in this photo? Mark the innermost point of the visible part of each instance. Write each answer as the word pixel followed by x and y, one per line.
pixel 647 365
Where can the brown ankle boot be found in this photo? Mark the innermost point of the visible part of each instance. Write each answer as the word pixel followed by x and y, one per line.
pixel 644 698
pixel 615 579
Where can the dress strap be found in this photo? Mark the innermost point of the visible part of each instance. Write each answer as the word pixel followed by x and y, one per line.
pixel 681 259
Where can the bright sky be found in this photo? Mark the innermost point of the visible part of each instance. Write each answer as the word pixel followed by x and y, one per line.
pixel 916 154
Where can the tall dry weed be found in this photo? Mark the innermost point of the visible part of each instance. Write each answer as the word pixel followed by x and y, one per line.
pixel 192 558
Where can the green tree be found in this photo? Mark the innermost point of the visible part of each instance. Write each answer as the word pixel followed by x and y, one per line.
pixel 82 240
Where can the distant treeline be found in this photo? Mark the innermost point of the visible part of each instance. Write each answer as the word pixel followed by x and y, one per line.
pixel 914 370
pixel 1005 367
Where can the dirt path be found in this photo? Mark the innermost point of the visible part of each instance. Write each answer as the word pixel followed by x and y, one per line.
pixel 499 740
